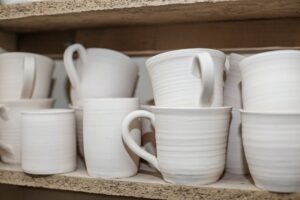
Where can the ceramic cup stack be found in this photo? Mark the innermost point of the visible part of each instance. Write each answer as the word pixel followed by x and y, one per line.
pixel 271 119
pixel 98 73
pixel 191 124
pixel 25 80
pixel 235 158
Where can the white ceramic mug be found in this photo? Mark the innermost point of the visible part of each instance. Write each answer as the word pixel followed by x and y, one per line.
pixel 272 147
pixel 235 159
pixel 48 141
pixel 25 75
pixel 271 81
pixel 101 73
pixel 187 78
pixel 106 156
pixel 10 125
pixel 191 142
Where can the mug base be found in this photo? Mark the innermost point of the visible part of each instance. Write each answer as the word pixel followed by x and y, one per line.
pixel 274 186
pixel 190 179
pixel 110 175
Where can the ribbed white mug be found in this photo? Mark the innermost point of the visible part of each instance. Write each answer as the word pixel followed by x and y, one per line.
pixel 191 142
pixel 271 81
pixel 187 78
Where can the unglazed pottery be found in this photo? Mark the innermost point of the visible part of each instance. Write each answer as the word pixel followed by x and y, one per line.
pixel 79 128
pixel 272 148
pixel 271 81
pixel 235 159
pixel 187 78
pixel 100 73
pixel 25 75
pixel 106 156
pixel 48 141
pixel 10 125
pixel 191 142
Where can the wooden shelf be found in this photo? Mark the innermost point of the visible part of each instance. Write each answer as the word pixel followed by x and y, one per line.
pixel 144 185
pixel 74 14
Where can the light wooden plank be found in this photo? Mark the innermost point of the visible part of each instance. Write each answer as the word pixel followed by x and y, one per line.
pixel 144 185
pixel 71 14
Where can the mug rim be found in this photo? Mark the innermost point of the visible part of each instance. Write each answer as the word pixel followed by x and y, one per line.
pixel 28 53
pixel 268 113
pixel 183 53
pixel 268 53
pixel 153 107
pixel 48 111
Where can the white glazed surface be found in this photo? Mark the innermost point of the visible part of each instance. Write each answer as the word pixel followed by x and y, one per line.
pixel 235 159
pixel 48 141
pixel 191 143
pixel 271 81
pixel 106 155
pixel 79 129
pixel 11 75
pixel 176 79
pixel 100 73
pixel 10 129
pixel 272 148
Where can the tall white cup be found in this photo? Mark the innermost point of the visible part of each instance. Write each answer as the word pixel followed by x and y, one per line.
pixel 106 155
pixel 187 78
pixel 191 142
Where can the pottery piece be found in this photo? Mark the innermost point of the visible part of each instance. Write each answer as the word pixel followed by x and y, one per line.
pixel 187 78
pixel 272 147
pixel 271 81
pixel 79 128
pixel 106 156
pixel 101 73
pixel 48 141
pixel 191 142
pixel 10 125
pixel 25 75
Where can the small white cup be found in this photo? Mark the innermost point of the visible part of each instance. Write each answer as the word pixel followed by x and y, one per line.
pixel 191 142
pixel 187 78
pixel 106 155
pixel 48 141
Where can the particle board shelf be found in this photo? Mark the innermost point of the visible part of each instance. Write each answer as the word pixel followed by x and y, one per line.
pixel 74 14
pixel 144 185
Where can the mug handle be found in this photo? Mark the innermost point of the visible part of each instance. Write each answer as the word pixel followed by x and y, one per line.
pixel 138 150
pixel 29 77
pixel 4 112
pixel 207 69
pixel 70 67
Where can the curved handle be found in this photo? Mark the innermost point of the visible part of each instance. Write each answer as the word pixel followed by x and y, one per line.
pixel 70 67
pixel 4 112
pixel 131 143
pixel 207 69
pixel 29 76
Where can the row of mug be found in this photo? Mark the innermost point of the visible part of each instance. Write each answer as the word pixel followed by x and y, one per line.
pixel 191 142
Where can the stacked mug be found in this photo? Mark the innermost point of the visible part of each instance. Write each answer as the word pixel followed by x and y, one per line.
pixel 103 83
pixel 191 124
pixel 24 86
pixel 271 119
